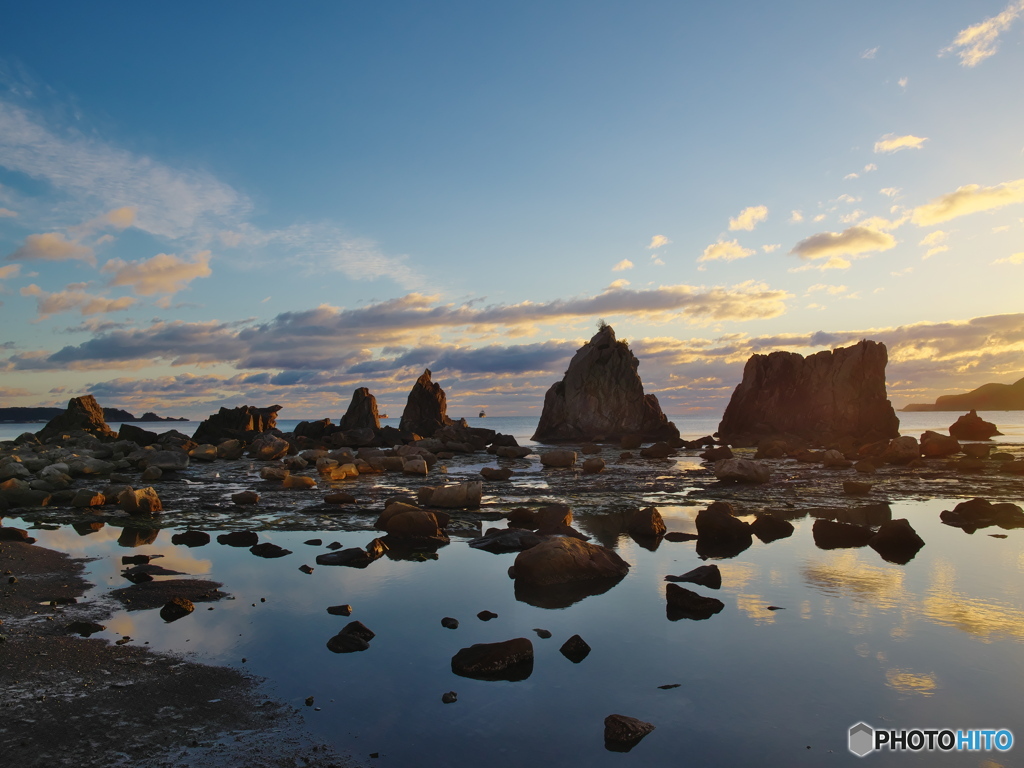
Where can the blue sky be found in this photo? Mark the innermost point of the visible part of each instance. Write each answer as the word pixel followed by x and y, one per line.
pixel 216 204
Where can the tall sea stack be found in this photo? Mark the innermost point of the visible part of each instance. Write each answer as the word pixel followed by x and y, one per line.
pixel 362 411
pixel 602 398
pixel 426 410
pixel 821 398
pixel 84 414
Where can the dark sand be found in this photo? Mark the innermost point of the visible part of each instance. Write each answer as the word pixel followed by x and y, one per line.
pixel 71 701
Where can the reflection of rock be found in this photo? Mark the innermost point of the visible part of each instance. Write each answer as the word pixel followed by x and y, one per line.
pixel 832 535
pixel 622 733
pixel 137 537
pixel 426 410
pixel 823 397
pixel 601 398
pixel 509 660
pixel 896 541
pixel 684 604
pixel 561 560
pixel 575 649
pixel 354 636
pixel 706 575
pixel 971 426
pixel 981 513
pixel 557 596
pixel 84 414
pixel 719 534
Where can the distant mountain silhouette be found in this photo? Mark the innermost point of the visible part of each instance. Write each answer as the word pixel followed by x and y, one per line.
pixel 987 397
pixel 43 414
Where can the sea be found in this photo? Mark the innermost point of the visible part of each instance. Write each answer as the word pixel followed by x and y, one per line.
pixel 809 642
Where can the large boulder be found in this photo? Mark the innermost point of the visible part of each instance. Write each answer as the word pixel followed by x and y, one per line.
pixel 239 423
pixel 465 495
pixel 935 445
pixel 601 397
pixel 362 412
pixel 83 414
pixel 824 397
pixel 426 410
pixel 971 426
pixel 509 660
pixel 741 471
pixel 560 560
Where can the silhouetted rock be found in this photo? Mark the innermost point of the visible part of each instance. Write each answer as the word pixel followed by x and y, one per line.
pixel 935 445
pixel 354 557
pixel 829 534
pixel 971 426
pixel 176 608
pixel 575 649
pixel 506 540
pixel 191 538
pixel 681 603
pixel 823 397
pixel 239 539
pixel 646 522
pixel 508 660
pixel 560 560
pixel 705 575
pixel 426 410
pixel 83 414
pixel 354 636
pixel 269 550
pixel 137 435
pixel 896 541
pixel 981 513
pixel 769 528
pixel 239 423
pixel 362 412
pixel 602 398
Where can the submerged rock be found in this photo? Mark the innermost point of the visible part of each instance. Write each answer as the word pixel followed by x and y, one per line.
pixel 601 397
pixel 509 660
pixel 706 575
pixel 681 603
pixel 823 397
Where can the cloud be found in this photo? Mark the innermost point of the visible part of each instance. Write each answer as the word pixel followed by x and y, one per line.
pixel 870 52
pixel 331 338
pixel 850 242
pixel 164 273
pixel 935 242
pixel 971 198
pixel 849 176
pixel 725 251
pixel 11 270
pixel 1016 258
pixel 795 217
pixel 903 82
pixel 893 143
pixel 658 241
pixel 833 262
pixel 980 41
pixel 771 247
pixel 618 284
pixel 52 246
pixel 749 218
pixel 833 290
pixel 64 301
pixel 7 213
pixel 870 167
pixel 890 191
pixel 622 266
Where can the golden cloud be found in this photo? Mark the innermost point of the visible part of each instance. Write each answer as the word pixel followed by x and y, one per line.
pixel 892 143
pixel 980 41
pixel 52 246
pixel 971 198
pixel 849 242
pixel 164 273
pixel 725 251
pixel 64 301
pixel 749 218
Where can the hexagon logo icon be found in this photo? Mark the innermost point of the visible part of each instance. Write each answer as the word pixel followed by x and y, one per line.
pixel 862 739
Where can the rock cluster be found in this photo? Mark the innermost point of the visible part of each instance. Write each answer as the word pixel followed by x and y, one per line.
pixel 83 414
pixel 823 398
pixel 602 398
pixel 241 423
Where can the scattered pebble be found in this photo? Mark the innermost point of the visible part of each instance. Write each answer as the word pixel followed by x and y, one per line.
pixel 543 634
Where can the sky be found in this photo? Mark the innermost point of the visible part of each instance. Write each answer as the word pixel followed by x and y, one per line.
pixel 217 204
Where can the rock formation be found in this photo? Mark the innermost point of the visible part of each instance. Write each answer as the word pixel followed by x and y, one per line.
pixel 82 414
pixel 238 423
pixel 362 411
pixel 822 398
pixel 426 410
pixel 602 398
pixel 971 426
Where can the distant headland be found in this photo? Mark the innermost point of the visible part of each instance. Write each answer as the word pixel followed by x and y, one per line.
pixel 43 414
pixel 987 397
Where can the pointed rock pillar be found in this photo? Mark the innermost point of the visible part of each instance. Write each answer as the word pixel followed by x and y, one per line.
pixel 426 410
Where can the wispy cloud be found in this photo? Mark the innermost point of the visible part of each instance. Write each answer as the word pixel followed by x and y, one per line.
pixel 833 262
pixel 971 198
pixel 7 213
pixel 980 41
pixel 749 218
pixel 74 298
pixel 850 242
pixel 935 242
pixel 893 143
pixel 623 266
pixel 1016 258
pixel 728 250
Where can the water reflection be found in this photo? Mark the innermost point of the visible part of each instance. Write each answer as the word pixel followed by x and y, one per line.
pixel 904 681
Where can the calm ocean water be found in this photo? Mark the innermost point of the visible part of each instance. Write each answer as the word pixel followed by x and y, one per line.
pixel 1010 423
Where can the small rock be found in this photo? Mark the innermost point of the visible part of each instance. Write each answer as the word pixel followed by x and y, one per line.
pixel 340 610
pixel 191 538
pixel 176 608
pixel 239 539
pixel 575 649
pixel 543 634
pixel 486 615
pixel 449 623
pixel 705 575
pixel 269 550
pixel 245 497
pixel 622 733
pixel 449 698
pixel 305 569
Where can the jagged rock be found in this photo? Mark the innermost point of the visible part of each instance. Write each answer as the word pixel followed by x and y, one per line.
pixel 971 426
pixel 706 575
pixel 622 733
pixel 426 410
pixel 314 430
pixel 602 398
pixel 238 423
pixel 935 445
pixel 143 501
pixel 559 560
pixel 508 660
pixel 362 412
pixel 83 414
pixel 684 604
pixel 646 522
pixel 823 397
pixel 741 471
